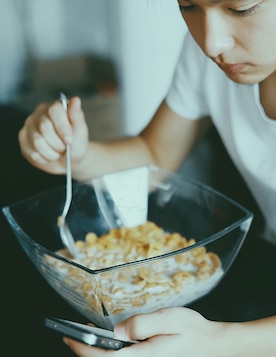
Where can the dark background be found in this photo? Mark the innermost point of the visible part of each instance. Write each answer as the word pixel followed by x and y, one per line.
pixel 25 297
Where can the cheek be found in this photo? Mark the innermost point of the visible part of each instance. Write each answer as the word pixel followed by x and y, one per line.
pixel 258 35
pixel 260 43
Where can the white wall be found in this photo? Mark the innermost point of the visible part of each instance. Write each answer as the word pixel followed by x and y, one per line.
pixel 150 38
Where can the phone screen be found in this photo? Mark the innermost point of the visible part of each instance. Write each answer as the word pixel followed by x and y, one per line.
pixel 90 335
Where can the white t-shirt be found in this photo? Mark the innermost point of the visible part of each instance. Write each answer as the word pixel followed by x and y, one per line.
pixel 201 88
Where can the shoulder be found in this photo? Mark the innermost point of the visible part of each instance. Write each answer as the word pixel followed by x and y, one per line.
pixel 188 88
pixel 194 68
pixel 192 57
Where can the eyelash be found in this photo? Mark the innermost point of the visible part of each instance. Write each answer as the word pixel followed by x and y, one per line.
pixel 241 13
pixel 246 12
pixel 186 8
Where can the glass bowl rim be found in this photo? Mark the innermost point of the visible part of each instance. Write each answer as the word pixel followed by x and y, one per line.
pixel 246 219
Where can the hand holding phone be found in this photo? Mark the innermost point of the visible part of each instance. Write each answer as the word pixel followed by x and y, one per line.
pixel 93 336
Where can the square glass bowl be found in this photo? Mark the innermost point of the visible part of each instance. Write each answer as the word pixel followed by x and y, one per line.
pixel 203 231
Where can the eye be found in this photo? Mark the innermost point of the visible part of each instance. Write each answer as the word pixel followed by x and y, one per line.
pixel 245 12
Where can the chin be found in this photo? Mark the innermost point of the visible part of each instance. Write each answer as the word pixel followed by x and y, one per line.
pixel 251 76
pixel 245 78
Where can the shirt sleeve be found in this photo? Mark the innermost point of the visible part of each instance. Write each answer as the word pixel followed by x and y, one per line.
pixel 186 94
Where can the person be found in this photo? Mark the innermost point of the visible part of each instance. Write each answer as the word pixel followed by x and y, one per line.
pixel 225 76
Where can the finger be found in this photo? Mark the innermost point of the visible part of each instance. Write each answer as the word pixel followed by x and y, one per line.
pixel 60 121
pixel 34 147
pixel 39 162
pixel 83 350
pixel 75 113
pixel 38 130
pixel 42 147
pixel 155 346
pixel 35 158
pixel 144 326
pixel 48 134
pixel 77 118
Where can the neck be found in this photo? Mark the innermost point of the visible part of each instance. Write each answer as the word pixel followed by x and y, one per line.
pixel 268 95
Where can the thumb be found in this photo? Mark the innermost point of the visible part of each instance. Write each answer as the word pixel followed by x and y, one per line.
pixel 144 326
pixel 75 112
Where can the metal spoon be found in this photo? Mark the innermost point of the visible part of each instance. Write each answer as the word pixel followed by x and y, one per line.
pixel 65 233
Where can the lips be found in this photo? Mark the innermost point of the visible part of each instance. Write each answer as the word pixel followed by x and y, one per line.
pixel 233 68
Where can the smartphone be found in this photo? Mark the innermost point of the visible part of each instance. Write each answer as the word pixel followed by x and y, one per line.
pixel 93 336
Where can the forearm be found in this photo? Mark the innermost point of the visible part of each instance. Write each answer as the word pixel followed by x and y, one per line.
pixel 248 339
pixel 165 142
pixel 102 158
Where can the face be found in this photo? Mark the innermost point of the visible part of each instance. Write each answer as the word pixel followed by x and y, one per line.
pixel 238 35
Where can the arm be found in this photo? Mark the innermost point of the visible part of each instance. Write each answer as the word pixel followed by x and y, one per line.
pixel 165 142
pixel 189 334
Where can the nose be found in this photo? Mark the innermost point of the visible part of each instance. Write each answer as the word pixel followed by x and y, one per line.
pixel 217 34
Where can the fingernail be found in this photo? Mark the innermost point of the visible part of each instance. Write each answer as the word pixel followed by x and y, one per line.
pixel 67 139
pixel 65 341
pixel 120 334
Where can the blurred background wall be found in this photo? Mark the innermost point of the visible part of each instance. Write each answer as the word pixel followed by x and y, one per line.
pixel 83 47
